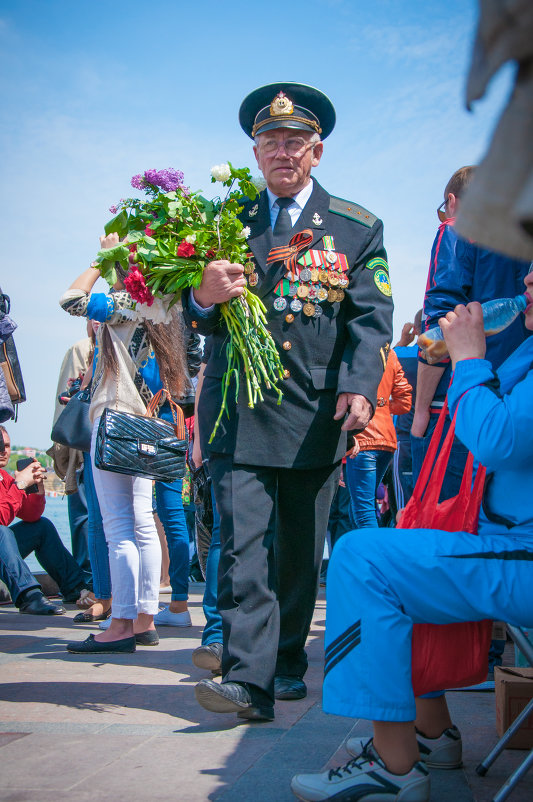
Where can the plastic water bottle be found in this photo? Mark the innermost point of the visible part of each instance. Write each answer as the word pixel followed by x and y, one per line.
pixel 497 315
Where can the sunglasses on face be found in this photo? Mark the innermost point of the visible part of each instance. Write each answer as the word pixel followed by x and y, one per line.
pixel 441 211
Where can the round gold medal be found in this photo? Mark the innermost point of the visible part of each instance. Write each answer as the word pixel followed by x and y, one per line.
pixel 309 310
pixel 249 268
pixel 323 275
pixel 302 291
pixel 332 296
pixel 340 295
pixel 314 275
pixel 333 279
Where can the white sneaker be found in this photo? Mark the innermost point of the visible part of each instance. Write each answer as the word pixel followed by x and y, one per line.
pixel 105 624
pixel 165 618
pixel 445 752
pixel 364 777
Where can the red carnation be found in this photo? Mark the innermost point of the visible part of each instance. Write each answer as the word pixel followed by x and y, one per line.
pixel 136 286
pixel 148 231
pixel 210 253
pixel 133 248
pixel 186 249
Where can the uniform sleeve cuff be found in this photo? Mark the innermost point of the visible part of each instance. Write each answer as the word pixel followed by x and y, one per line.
pixel 203 311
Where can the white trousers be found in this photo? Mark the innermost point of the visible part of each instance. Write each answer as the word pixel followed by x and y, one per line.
pixel 134 548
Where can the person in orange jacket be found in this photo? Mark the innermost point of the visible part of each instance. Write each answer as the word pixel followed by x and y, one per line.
pixel 373 447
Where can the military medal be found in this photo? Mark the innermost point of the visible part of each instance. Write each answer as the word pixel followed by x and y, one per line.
pixel 253 278
pixel 340 295
pixel 318 311
pixel 302 291
pixel 332 296
pixel 309 310
pixel 321 294
pixel 312 294
pixel 333 279
pixel 323 275
pixel 331 257
pixel 289 318
pixel 280 304
pixel 296 305
pixel 305 274
pixel 343 281
pixel 314 275
pixel 292 289
pixel 249 268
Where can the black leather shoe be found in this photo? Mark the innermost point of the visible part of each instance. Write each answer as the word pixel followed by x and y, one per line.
pixel 148 638
pixel 88 618
pixel 37 604
pixel 289 688
pixel 92 646
pixel 209 657
pixel 230 697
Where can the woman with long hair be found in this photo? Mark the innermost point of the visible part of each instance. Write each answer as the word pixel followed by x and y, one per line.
pixel 135 358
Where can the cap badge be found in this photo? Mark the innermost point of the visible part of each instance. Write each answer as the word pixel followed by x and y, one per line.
pixel 281 105
pixel 317 220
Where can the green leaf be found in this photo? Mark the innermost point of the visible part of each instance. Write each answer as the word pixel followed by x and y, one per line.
pixel 108 272
pixel 118 224
pixel 119 253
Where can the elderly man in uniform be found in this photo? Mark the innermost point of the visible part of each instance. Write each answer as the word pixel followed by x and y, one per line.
pixel 275 468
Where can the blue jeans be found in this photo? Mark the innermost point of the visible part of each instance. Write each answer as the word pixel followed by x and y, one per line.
pixel 98 551
pixel 172 516
pixel 41 537
pixel 363 475
pixel 79 528
pixel 456 462
pixel 213 622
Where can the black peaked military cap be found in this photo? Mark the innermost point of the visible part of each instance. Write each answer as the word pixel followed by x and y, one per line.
pixel 287 105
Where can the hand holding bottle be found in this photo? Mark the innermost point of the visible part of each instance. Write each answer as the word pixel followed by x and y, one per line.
pixel 464 332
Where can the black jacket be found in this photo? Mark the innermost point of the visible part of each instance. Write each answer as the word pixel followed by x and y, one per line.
pixel 344 350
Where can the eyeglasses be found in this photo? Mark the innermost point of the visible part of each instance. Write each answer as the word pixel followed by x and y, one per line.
pixel 441 211
pixel 291 146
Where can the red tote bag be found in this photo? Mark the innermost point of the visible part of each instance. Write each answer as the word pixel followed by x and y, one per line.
pixel 446 655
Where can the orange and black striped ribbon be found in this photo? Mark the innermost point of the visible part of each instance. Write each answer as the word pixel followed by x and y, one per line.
pixel 290 253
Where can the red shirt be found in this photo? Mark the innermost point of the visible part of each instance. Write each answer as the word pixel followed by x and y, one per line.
pixel 15 503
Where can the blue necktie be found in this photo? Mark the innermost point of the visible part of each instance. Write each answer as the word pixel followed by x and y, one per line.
pixel 283 225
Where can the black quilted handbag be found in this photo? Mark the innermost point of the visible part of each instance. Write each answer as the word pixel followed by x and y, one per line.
pixel 141 445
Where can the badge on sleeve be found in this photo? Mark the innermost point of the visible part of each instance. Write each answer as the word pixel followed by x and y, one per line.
pixel 382 282
pixel 377 262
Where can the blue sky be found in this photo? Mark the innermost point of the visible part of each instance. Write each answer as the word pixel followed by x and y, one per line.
pixel 92 92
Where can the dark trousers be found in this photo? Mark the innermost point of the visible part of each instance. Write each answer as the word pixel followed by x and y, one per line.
pixel 42 538
pixel 272 528
pixel 13 570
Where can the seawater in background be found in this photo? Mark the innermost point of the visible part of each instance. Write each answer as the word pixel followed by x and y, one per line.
pixel 56 510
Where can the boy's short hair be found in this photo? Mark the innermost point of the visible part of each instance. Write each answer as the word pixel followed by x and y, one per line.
pixel 460 181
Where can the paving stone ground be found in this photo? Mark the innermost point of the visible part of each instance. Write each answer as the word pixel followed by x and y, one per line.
pixel 128 728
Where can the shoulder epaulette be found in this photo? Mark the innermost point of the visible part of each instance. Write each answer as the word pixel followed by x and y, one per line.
pixel 352 210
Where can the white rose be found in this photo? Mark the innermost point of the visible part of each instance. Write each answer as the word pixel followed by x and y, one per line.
pixel 221 172
pixel 245 233
pixel 190 238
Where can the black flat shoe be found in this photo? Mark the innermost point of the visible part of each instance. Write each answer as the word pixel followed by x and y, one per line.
pixel 230 697
pixel 289 688
pixel 87 618
pixel 209 657
pixel 148 638
pixel 92 646
pixel 37 604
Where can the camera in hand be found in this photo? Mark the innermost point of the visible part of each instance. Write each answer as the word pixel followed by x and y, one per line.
pixel 23 463
pixel 72 389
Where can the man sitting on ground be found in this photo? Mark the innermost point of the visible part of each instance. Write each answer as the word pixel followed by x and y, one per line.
pixel 31 533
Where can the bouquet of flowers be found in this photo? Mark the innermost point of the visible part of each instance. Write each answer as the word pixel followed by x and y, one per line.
pixel 167 240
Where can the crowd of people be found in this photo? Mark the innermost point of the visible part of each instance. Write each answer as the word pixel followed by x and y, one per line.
pixel 357 415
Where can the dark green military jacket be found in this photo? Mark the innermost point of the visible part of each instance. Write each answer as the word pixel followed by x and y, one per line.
pixel 343 350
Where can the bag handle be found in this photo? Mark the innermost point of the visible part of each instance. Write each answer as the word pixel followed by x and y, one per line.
pixel 177 412
pixel 435 460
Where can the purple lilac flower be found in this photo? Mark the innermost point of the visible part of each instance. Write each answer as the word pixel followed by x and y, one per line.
pixel 113 209
pixel 138 182
pixel 168 180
